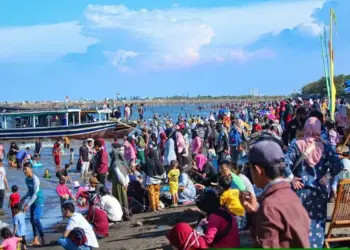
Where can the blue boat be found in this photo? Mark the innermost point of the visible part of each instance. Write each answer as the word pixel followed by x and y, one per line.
pixel 73 123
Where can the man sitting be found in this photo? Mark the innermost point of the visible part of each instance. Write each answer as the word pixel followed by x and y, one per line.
pixel 76 221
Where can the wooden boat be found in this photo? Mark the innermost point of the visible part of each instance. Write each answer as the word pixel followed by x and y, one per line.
pixel 71 123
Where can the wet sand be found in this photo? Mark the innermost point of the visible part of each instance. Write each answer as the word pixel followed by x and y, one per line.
pixel 125 235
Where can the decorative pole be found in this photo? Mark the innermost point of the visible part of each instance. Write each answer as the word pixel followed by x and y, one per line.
pixel 331 68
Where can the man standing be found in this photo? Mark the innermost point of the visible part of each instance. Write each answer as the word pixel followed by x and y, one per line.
pixel 35 203
pixel 84 160
pixel 101 162
pixel 76 221
pixel 38 146
pixel 280 220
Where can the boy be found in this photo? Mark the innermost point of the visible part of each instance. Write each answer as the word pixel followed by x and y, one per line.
pixel 19 224
pixel 3 185
pixel 71 156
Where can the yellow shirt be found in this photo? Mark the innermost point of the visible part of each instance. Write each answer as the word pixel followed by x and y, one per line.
pixel 174 181
pixel 173 176
pixel 230 200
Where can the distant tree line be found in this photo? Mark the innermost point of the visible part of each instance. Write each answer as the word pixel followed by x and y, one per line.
pixel 319 87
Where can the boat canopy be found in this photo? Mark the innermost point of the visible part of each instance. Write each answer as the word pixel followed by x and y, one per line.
pixel 38 113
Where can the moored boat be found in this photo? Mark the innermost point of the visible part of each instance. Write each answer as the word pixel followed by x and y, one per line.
pixel 72 123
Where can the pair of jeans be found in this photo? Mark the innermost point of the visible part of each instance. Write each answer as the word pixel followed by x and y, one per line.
pixel 69 245
pixel 2 196
pixel 35 214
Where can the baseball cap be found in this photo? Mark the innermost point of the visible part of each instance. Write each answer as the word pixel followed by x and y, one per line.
pixel 266 153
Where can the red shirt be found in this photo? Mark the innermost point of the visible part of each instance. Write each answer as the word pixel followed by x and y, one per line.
pixel 218 224
pixel 99 220
pixel 14 199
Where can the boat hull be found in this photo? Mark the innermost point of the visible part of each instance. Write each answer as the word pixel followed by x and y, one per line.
pixel 80 132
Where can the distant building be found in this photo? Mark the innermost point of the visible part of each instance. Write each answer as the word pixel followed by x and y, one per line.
pixel 254 92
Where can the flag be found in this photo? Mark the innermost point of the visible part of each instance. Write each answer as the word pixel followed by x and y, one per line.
pixel 331 65
pixel 347 84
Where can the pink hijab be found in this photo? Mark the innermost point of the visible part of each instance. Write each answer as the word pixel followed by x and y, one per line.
pixel 200 161
pixel 312 133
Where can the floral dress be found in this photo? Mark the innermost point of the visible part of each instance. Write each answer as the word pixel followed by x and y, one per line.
pixel 314 195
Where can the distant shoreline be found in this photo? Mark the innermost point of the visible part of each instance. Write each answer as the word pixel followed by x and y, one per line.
pixel 150 102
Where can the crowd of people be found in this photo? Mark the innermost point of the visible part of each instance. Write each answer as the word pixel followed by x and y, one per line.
pixel 270 168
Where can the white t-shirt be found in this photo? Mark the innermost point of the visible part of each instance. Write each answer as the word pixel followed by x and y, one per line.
pixel 77 220
pixel 112 207
pixel 2 178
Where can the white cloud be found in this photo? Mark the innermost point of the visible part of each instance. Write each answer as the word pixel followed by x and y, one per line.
pixel 42 42
pixel 120 59
pixel 180 35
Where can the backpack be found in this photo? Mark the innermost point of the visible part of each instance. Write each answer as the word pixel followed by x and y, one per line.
pixel 77 236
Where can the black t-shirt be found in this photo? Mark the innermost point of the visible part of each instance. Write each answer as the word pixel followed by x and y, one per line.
pixel 84 153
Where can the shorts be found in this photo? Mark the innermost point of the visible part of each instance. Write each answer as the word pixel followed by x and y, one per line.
pixel 85 166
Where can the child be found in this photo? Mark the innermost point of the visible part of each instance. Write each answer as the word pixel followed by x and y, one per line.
pixel 47 174
pixel 82 195
pixel 65 172
pixel 14 198
pixel 10 242
pixel 173 176
pixel 3 185
pixel 63 191
pixel 36 160
pixel 229 198
pixel 71 156
pixel 19 224
pixel 333 137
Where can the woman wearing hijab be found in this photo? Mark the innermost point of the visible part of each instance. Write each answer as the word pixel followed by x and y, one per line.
pixel 310 164
pixel 204 172
pixel 221 228
pixel 187 190
pixel 155 173
pixel 196 144
pixel 169 148
pixel 180 145
pixel 183 237
pixel 129 153
pixel 118 175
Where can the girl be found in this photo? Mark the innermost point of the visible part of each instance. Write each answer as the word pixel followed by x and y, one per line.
pixel 173 176
pixel 10 242
pixel 63 191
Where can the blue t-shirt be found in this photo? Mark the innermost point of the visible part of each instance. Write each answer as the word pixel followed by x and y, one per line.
pixel 21 155
pixel 19 221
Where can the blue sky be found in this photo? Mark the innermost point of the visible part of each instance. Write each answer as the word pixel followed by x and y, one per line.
pixel 94 49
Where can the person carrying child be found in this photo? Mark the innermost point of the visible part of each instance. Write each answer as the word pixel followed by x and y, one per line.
pixel 173 176
pixel 14 198
pixel 229 198
pixel 19 224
